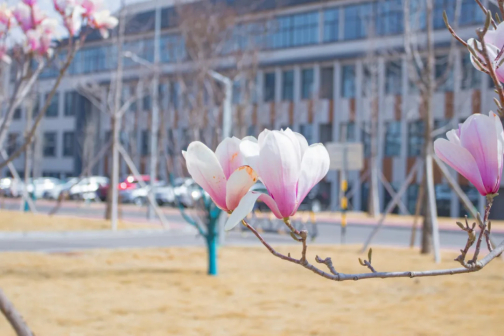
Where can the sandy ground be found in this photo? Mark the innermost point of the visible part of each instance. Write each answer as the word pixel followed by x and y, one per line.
pixel 25 221
pixel 166 292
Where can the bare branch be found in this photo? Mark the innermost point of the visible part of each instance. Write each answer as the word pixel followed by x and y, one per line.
pixel 12 315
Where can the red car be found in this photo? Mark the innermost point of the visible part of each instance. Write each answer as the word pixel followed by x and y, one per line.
pixel 131 182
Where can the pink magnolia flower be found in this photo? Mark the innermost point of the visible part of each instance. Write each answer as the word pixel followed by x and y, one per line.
pixel 287 166
pixel 103 21
pixel 64 7
pixel 28 17
pixel 90 7
pixel 494 41
pixel 30 3
pixel 5 19
pixel 475 150
pixel 39 40
pixel 222 174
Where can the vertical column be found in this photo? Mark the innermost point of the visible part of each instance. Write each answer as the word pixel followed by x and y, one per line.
pixel 457 79
pixel 380 136
pixel 279 111
pixel 315 95
pixel 358 119
pixel 336 122
pixel 401 173
pixel 320 26
pixel 297 96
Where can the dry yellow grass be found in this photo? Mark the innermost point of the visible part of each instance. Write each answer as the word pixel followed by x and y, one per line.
pixel 166 292
pixel 25 221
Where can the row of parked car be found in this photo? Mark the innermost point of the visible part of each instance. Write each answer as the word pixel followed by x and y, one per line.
pixel 95 188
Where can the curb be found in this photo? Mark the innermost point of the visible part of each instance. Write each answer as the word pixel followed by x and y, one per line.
pixel 95 233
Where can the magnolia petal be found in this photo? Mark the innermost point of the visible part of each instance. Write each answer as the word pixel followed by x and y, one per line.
pixel 453 137
pixel 229 156
pixel 245 206
pixel 279 169
pixel 495 36
pixel 206 171
pixel 461 160
pixel 238 185
pixel 250 138
pixel 314 167
pixel 250 152
pixel 262 136
pixel 500 145
pixel 298 141
pixel 479 137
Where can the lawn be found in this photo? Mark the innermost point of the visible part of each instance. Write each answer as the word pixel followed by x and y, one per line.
pixel 26 221
pixel 166 292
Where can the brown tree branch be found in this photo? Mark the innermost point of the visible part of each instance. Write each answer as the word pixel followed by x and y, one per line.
pixel 336 276
pixel 13 316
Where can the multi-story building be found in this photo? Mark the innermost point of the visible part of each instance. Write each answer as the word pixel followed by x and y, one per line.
pixel 313 76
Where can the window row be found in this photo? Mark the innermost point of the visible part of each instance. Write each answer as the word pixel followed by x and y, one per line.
pixel 49 143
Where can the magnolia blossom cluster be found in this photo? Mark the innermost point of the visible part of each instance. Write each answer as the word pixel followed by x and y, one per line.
pixel 40 30
pixel 282 160
pixel 476 150
pixel 494 42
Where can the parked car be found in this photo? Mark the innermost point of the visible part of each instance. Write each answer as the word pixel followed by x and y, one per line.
pixel 165 194
pixel 36 186
pixel 64 186
pixel 5 184
pixel 186 191
pixel 92 188
pixel 130 182
pixel 138 195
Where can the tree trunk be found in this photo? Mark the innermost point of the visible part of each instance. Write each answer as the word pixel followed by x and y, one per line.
pixel 212 243
pixel 427 223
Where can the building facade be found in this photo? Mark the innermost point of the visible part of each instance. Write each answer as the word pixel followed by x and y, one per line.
pixel 315 71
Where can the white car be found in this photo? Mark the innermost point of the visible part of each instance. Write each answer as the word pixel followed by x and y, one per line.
pixel 55 192
pixel 89 188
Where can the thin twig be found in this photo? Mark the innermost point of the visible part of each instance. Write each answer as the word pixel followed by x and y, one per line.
pixel 491 69
pixel 335 276
pixel 485 11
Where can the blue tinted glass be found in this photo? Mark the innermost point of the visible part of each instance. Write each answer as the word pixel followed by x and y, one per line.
pixel 356 19
pixel 348 81
pixel 331 25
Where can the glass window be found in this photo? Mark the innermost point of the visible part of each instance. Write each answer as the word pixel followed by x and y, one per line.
pixel 17 113
pixel 70 103
pixel 251 130
pixel 357 17
pixel 417 15
pixel 366 138
pixel 52 110
pixel 439 123
pixel 348 128
pixel 172 48
pixel 68 143
pixel 12 143
pixel 174 95
pixel 389 17
pixel 348 81
pixel 331 25
pixel 473 195
pixel 415 138
pixel 471 78
pixel 307 131
pixel 393 77
pixel 325 133
pixel 443 199
pixel 145 142
pixel 306 83
pixel 163 96
pixel 147 103
pixel 470 13
pixel 288 85
pixel 237 91
pixel 393 138
pixel 269 86
pixel 444 74
pixel 441 6
pixel 412 196
pixel 326 83
pixel 294 30
pixel 49 144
